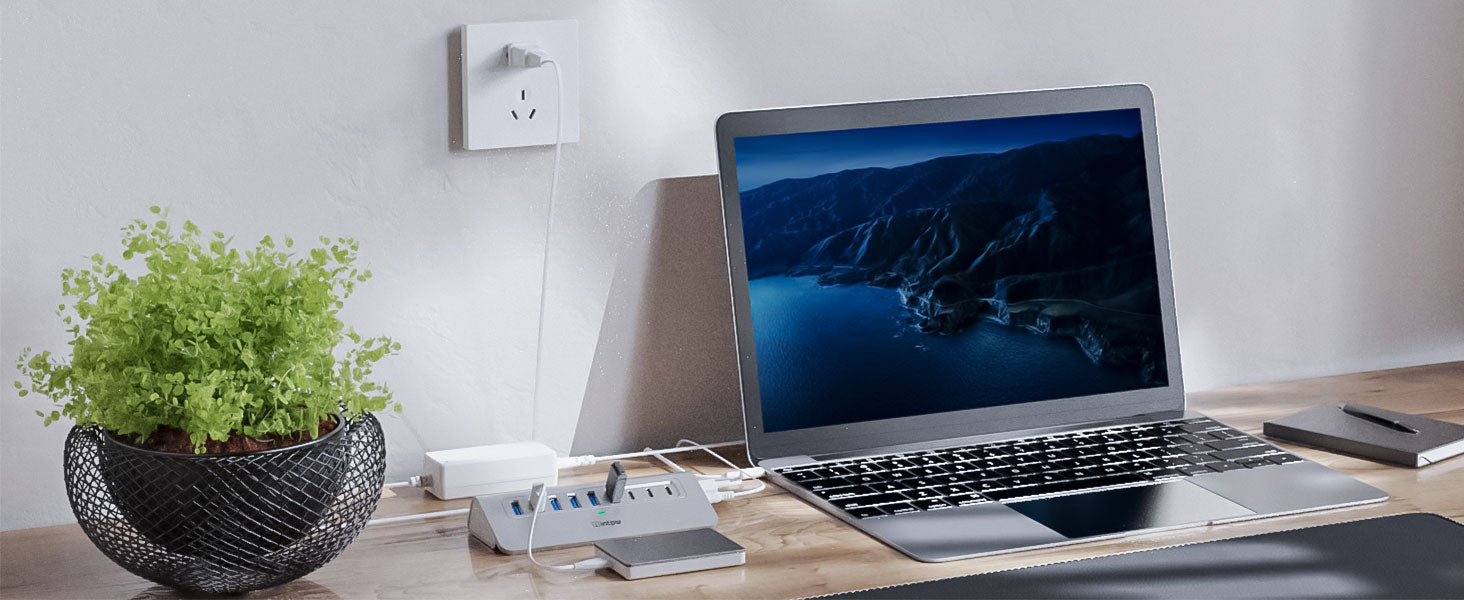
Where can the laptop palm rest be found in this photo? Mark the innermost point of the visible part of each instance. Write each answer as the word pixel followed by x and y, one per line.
pixel 1129 509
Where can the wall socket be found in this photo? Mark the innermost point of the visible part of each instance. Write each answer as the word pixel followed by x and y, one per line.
pixel 511 107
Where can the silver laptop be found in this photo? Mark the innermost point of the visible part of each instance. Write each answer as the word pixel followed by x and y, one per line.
pixel 956 331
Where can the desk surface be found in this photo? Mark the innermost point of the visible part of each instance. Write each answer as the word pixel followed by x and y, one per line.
pixel 793 549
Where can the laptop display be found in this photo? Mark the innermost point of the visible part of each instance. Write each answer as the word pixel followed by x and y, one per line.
pixel 921 269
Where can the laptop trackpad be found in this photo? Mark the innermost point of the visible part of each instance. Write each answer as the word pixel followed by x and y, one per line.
pixel 1129 509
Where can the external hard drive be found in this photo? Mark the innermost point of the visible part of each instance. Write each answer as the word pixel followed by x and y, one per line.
pixel 670 553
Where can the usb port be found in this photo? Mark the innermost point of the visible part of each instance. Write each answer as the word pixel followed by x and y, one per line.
pixel 630 494
pixel 554 502
pixel 517 510
pixel 573 502
pixel 593 500
pixel 649 493
pixel 668 491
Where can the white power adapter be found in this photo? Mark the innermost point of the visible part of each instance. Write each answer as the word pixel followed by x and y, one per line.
pixel 465 472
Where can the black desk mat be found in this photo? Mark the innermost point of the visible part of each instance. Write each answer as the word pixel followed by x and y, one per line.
pixel 1417 555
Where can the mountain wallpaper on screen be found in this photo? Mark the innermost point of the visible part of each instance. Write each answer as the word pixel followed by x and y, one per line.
pixel 1053 239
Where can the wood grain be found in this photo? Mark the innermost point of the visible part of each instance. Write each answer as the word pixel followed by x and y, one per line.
pixel 793 549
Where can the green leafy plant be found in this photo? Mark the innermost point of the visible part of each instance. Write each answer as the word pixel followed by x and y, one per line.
pixel 210 340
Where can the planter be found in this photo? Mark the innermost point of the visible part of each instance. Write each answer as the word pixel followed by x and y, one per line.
pixel 226 523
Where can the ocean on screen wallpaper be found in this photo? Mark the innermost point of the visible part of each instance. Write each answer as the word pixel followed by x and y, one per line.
pixel 919 269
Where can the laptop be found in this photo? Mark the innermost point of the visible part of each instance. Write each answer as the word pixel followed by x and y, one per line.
pixel 955 326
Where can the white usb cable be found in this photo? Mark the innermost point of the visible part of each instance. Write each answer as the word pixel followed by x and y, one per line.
pixel 537 500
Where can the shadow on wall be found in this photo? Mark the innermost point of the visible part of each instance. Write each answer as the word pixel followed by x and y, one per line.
pixel 665 367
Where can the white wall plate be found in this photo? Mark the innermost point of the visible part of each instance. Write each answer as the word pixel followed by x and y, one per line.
pixel 511 107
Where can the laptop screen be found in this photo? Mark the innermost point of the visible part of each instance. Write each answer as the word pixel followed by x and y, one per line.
pixel 921 269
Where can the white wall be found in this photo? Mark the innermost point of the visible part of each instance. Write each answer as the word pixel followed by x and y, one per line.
pixel 1312 156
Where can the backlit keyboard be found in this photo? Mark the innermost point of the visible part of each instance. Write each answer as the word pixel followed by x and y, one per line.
pixel 895 484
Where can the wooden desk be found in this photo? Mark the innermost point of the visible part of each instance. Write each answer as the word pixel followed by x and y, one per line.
pixel 792 548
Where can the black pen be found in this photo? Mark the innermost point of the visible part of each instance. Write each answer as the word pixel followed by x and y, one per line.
pixel 1364 413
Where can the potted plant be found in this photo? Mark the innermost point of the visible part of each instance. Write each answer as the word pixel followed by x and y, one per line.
pixel 223 437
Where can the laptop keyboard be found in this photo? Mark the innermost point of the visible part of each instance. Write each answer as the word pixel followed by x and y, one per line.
pixel 895 484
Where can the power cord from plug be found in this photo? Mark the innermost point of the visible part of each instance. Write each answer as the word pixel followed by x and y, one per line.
pixel 531 56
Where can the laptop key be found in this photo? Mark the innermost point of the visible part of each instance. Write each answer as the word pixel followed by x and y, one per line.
pixel 990 463
pixel 1253 461
pixel 951 490
pixel 954 479
pixel 1065 486
pixel 1010 471
pixel 825 484
pixel 1230 433
pixel 1232 444
pixel 1243 452
pixel 1159 474
pixel 1224 466
pixel 1172 463
pixel 900 474
pixel 962 468
pixel 988 485
pixel 867 512
pixel 1195 470
pixel 801 476
pixel 873 500
pixel 933 504
pixel 967 499
pixel 1193 438
pixel 828 472
pixel 1282 459
pixel 844 492
pixel 889 486
pixel 923 493
pixel 902 508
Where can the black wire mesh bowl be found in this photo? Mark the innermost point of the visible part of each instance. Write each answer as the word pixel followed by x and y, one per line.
pixel 226 523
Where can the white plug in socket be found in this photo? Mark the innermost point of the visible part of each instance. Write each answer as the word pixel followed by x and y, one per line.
pixel 510 107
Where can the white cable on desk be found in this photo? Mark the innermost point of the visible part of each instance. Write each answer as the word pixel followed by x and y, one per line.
pixel 590 459
pixel 418 517
pixel 537 499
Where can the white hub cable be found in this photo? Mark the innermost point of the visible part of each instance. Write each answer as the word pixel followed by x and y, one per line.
pixel 537 500
pixel 719 487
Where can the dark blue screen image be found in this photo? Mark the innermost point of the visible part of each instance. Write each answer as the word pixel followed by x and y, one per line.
pixel 919 269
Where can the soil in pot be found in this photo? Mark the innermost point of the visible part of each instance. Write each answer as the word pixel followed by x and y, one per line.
pixel 172 439
pixel 255 502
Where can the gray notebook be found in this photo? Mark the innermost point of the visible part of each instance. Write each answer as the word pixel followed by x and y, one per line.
pixel 1370 432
